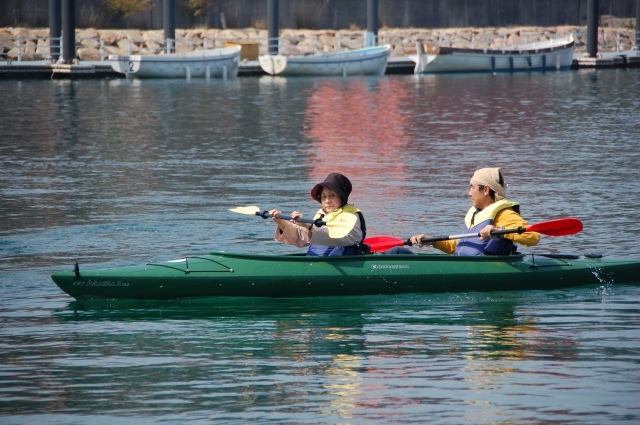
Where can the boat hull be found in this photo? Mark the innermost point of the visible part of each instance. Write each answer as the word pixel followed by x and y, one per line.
pixel 199 64
pixel 228 274
pixel 368 61
pixel 532 57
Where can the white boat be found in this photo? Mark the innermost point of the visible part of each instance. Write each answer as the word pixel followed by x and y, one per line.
pixel 367 61
pixel 541 55
pixel 199 64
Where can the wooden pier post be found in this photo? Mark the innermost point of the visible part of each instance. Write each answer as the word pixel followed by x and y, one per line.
pixel 68 31
pixel 592 28
pixel 55 29
pixel 372 23
pixel 637 24
pixel 169 23
pixel 273 15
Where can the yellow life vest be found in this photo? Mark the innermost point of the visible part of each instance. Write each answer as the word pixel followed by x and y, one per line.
pixel 349 219
pixel 332 215
pixel 489 213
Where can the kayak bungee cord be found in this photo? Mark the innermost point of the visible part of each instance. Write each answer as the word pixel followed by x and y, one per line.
pixel 186 267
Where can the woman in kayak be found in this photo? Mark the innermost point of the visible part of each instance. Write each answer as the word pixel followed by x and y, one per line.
pixel 490 210
pixel 333 195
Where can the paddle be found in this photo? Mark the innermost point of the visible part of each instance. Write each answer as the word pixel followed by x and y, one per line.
pixel 338 228
pixel 560 227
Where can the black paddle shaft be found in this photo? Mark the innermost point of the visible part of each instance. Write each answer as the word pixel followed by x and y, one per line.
pixel 519 230
pixel 317 223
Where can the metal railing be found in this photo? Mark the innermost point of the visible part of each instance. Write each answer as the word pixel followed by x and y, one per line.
pixel 608 41
pixel 27 50
pixel 168 45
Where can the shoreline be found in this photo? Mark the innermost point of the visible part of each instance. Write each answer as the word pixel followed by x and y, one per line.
pixel 96 44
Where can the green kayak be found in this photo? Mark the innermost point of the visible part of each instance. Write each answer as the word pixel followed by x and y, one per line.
pixel 247 275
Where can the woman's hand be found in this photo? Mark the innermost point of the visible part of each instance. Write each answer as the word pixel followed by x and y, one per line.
pixel 295 215
pixel 486 232
pixel 417 240
pixel 281 223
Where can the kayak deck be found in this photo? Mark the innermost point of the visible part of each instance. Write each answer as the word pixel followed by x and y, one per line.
pixel 232 274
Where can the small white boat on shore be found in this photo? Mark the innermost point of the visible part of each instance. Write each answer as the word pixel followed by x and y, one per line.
pixel 538 56
pixel 221 63
pixel 367 61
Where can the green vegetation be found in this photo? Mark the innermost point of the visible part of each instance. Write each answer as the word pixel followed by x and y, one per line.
pixel 195 8
pixel 128 8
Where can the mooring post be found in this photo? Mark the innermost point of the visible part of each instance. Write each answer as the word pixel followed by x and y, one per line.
pixel 637 24
pixel 68 31
pixel 592 28
pixel 273 15
pixel 372 23
pixel 55 29
pixel 169 22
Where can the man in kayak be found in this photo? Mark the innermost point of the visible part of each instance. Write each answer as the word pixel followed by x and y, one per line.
pixel 490 210
pixel 333 195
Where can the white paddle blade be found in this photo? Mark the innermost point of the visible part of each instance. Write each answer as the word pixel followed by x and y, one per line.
pixel 342 225
pixel 252 210
pixel 273 64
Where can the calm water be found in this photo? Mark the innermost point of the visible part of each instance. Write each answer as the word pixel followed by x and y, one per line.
pixel 112 173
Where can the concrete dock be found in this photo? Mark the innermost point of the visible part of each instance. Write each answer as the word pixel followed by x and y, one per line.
pixel 395 65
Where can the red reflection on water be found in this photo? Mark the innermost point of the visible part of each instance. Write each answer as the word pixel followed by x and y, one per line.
pixel 359 130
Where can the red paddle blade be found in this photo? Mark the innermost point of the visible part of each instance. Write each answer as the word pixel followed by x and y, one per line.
pixel 383 243
pixel 561 227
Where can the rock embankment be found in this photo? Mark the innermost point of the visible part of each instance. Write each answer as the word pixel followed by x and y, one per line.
pixel 92 44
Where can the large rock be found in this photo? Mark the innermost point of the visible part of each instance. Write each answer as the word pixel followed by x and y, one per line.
pixel 42 48
pixel 182 47
pixel 327 49
pixel 189 34
pixel 287 33
pixel 352 43
pixel 88 33
pixel 41 32
pixel 24 33
pixel 114 50
pixel 515 40
pixel 88 54
pixel 31 56
pixel 306 49
pixel 211 34
pixel 132 34
pixel 155 35
pixel 398 50
pixel 90 43
pixel 610 21
pixel 123 45
pixel 110 37
pixel 253 34
pixel 29 46
pixel 28 54
pixel 13 53
pixel 232 35
pixel 292 51
pixel 151 47
pixel 328 40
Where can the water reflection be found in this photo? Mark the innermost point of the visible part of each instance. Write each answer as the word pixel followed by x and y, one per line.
pixel 359 127
pixel 356 358
pixel 113 173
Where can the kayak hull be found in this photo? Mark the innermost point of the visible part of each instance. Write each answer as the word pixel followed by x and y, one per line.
pixel 246 275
